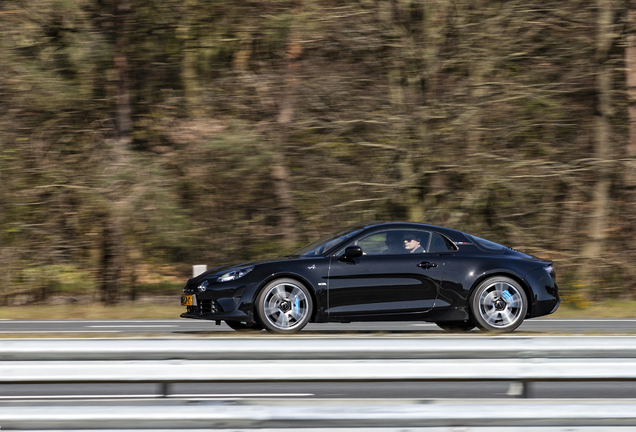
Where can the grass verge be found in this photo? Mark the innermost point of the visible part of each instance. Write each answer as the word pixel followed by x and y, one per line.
pixel 605 309
pixel 124 310
pixel 163 310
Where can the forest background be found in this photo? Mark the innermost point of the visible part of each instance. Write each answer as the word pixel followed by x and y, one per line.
pixel 140 137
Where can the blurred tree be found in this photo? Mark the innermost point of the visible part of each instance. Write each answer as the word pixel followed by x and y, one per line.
pixel 151 132
pixel 630 151
pixel 600 205
pixel 287 109
pixel 122 10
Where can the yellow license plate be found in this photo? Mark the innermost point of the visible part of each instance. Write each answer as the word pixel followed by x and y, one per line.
pixel 186 300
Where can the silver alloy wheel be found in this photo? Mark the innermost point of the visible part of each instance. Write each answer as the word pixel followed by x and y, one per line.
pixel 284 306
pixel 499 304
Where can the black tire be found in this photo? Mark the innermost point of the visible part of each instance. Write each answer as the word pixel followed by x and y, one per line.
pixel 456 326
pixel 499 304
pixel 243 327
pixel 284 306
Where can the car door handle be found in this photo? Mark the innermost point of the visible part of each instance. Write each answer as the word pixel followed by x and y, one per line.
pixel 426 265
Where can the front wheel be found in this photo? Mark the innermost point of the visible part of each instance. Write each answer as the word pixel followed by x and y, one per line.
pixel 499 304
pixel 284 306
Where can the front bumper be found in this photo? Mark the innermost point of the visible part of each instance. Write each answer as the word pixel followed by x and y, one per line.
pixel 228 302
pixel 235 315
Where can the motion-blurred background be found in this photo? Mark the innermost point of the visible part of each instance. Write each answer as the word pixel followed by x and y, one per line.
pixel 139 137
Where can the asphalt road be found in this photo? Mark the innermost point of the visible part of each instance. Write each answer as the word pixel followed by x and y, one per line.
pixel 540 326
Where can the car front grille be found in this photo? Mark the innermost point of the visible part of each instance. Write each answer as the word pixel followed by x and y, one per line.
pixel 205 307
pixel 209 306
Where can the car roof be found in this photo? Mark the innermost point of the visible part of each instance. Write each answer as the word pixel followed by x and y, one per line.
pixel 452 234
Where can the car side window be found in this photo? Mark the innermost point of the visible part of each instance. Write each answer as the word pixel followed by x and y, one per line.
pixel 394 242
pixel 374 244
pixel 440 244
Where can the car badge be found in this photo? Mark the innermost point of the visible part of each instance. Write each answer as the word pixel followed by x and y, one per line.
pixel 312 267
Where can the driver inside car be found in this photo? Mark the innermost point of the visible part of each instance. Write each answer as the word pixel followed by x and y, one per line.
pixel 412 243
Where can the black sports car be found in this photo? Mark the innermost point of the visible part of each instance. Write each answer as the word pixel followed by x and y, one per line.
pixel 380 272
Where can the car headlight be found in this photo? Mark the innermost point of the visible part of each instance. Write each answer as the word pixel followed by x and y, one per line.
pixel 235 274
pixel 203 286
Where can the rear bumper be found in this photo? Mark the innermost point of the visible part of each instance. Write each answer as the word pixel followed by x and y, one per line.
pixel 545 293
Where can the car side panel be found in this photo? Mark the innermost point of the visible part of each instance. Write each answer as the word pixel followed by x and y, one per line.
pixel 464 271
pixel 383 285
pixel 312 272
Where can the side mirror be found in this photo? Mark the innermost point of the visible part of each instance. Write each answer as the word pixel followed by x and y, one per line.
pixel 350 253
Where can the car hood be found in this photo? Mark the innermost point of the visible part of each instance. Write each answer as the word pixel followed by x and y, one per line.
pixel 218 271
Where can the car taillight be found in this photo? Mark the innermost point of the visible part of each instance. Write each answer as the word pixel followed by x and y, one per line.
pixel 551 272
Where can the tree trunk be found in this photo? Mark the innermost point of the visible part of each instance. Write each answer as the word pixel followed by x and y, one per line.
pixel 630 153
pixel 113 248
pixel 112 258
pixel 280 172
pixel 124 110
pixel 599 207
pixel 630 78
pixel 189 75
pixel 425 37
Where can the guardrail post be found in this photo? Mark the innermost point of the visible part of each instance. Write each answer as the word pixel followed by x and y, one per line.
pixel 199 269
pixel 526 391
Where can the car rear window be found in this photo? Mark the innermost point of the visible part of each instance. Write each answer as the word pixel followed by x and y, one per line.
pixel 486 244
pixel 440 243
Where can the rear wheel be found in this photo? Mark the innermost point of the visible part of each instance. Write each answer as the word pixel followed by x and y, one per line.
pixel 456 326
pixel 243 327
pixel 284 306
pixel 499 304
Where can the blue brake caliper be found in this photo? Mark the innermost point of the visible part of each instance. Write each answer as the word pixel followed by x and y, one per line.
pixel 296 306
pixel 507 296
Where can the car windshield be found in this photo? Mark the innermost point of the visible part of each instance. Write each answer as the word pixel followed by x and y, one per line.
pixel 323 245
pixel 487 244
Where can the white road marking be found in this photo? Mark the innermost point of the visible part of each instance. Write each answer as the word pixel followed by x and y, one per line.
pixel 83 396
pixel 58 331
pixel 556 320
pixel 193 322
pixel 140 396
pixel 244 395
pixel 93 321
pixel 129 326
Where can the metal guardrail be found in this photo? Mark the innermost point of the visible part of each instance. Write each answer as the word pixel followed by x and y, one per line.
pixel 422 415
pixel 295 348
pixel 167 361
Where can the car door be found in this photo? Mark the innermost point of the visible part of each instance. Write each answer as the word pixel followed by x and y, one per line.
pixel 384 281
